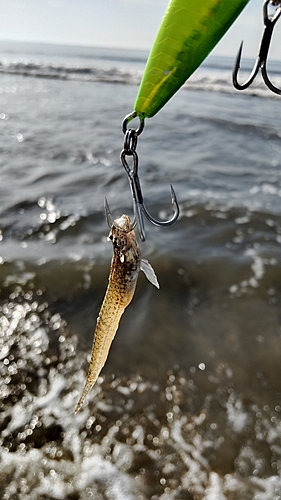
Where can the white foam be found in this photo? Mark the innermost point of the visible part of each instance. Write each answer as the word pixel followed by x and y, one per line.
pixel 237 416
pixel 214 491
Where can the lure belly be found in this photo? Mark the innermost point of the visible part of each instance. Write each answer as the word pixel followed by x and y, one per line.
pixel 189 31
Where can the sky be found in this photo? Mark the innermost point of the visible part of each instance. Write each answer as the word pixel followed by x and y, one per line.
pixel 117 23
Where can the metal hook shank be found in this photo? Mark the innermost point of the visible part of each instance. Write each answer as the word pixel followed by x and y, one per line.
pixel 139 206
pixel 260 63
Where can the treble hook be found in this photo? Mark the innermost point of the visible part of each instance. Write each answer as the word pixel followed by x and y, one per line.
pixel 260 63
pixel 139 206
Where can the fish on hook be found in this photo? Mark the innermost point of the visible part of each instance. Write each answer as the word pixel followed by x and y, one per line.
pixel 125 266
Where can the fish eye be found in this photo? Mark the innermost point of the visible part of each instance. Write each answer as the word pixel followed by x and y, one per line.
pixel 114 239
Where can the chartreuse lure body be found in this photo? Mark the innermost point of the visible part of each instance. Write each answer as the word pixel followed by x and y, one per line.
pixel 189 31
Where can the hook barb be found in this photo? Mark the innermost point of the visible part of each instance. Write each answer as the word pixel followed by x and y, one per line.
pixel 236 68
pixel 164 222
pixel 261 60
pixel 140 210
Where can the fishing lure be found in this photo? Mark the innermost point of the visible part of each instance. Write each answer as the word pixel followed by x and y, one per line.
pixel 125 266
pixel 189 31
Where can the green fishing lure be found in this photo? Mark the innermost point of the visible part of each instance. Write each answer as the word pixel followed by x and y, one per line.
pixel 189 31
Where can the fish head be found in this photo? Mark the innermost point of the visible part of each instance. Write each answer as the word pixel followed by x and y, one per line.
pixel 124 239
pixel 120 233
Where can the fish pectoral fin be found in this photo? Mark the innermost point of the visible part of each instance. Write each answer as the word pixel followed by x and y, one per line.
pixel 149 272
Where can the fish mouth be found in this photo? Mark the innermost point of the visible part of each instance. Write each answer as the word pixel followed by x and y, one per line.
pixel 124 223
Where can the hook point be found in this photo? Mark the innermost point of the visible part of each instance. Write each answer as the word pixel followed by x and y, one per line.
pixel 108 216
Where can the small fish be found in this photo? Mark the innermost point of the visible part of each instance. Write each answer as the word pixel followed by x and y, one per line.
pixel 125 266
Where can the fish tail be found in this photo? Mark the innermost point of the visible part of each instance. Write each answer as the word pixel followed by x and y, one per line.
pixel 104 335
pixel 88 386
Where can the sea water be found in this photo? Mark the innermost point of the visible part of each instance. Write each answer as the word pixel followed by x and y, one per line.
pixel 188 405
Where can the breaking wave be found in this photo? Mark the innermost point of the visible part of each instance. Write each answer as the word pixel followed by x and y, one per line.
pixel 206 79
pixel 186 437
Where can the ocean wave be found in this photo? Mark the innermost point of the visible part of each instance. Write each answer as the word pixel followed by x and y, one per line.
pixel 223 84
pixel 191 433
pixel 204 80
pixel 188 401
pixel 110 74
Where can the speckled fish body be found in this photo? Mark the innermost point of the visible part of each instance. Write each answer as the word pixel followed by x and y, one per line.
pixel 125 266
